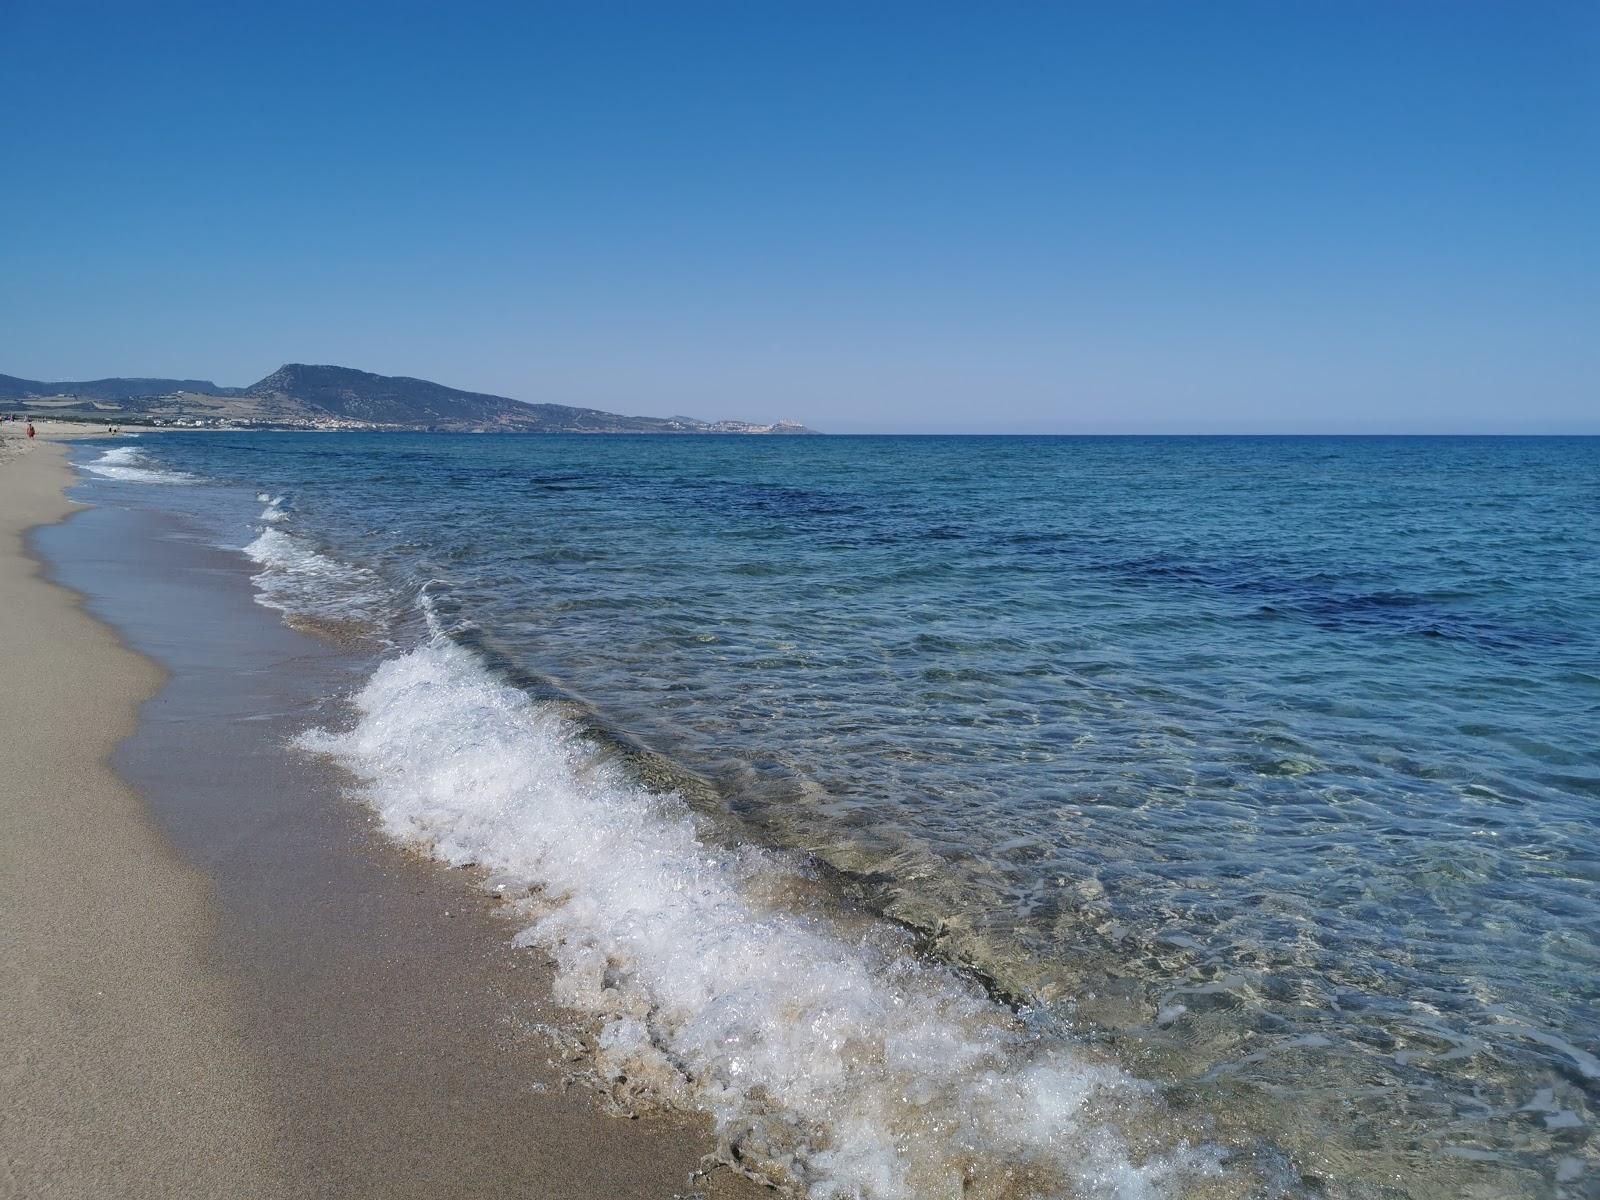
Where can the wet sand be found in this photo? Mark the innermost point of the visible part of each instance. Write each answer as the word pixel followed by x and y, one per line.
pixel 225 984
pixel 124 1069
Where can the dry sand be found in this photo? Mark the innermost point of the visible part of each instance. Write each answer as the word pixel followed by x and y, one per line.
pixel 137 1058
pixel 14 438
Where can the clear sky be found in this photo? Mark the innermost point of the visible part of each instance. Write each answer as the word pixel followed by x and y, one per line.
pixel 1123 216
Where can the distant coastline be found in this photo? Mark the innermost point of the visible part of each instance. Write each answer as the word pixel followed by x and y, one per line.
pixel 331 398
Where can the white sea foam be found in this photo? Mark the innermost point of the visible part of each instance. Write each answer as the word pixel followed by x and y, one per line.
pixel 122 462
pixel 824 1051
pixel 273 512
pixel 299 580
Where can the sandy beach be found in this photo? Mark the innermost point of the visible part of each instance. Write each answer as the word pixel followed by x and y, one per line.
pixel 124 1072
pixel 177 1030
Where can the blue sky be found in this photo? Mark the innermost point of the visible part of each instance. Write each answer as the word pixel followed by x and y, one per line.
pixel 1294 216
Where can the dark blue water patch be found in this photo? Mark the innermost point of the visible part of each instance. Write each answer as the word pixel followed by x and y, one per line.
pixel 562 483
pixel 1328 602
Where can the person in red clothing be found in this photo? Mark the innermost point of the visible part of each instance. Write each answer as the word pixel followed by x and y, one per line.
pixel 30 428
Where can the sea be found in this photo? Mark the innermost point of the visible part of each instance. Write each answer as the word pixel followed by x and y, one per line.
pixel 993 816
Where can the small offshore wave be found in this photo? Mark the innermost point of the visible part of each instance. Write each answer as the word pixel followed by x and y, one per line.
pixel 830 1057
pixel 441 612
pixel 273 512
pixel 304 584
pixel 124 463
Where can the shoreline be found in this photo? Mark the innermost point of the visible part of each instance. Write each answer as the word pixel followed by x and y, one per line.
pixel 122 1056
pixel 225 986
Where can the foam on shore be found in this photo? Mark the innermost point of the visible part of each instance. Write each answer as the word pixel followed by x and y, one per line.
pixel 828 1055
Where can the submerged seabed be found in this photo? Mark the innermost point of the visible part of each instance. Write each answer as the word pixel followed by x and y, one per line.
pixel 1248 783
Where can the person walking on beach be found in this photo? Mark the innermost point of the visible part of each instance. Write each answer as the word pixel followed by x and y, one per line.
pixel 30 428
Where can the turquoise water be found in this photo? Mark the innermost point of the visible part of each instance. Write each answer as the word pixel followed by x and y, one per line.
pixel 1268 765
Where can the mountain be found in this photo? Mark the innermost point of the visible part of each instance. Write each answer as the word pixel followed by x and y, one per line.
pixel 12 388
pixel 299 395
pixel 342 393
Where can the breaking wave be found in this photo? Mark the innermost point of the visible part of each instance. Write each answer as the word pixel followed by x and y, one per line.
pixel 273 512
pixel 124 463
pixel 831 1058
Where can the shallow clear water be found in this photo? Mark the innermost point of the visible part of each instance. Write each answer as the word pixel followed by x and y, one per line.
pixel 1270 765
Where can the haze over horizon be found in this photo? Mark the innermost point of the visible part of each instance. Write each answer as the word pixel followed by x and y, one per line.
pixel 1097 218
